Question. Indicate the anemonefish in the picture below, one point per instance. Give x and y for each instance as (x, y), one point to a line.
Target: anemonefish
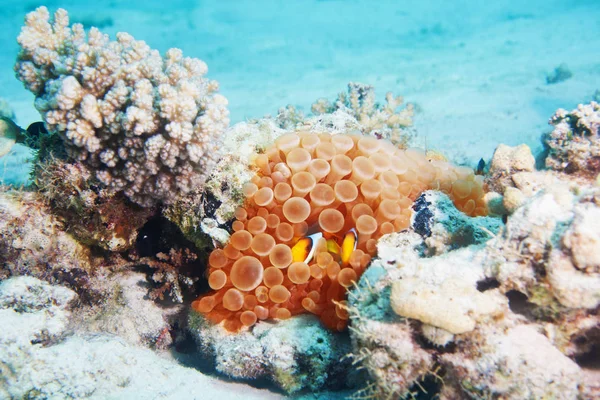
(348, 245)
(304, 249)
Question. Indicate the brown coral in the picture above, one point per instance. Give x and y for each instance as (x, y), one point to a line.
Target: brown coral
(311, 221)
(93, 215)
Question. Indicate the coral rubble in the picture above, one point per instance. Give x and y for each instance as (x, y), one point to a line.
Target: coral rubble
(33, 242)
(574, 144)
(146, 125)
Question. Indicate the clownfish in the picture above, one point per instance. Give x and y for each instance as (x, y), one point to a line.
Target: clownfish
(304, 249)
(348, 245)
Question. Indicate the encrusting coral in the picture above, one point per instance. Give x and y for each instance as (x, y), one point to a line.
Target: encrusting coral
(94, 215)
(310, 224)
(145, 125)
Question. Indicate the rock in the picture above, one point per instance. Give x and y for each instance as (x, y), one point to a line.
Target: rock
(128, 313)
(92, 214)
(33, 242)
(295, 354)
(445, 228)
(583, 238)
(437, 336)
(550, 247)
(495, 313)
(452, 305)
(394, 361)
(517, 363)
(574, 144)
(495, 205)
(32, 311)
(6, 110)
(513, 199)
(507, 161)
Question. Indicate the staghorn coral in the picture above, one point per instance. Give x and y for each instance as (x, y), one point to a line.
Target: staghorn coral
(574, 144)
(143, 124)
(331, 186)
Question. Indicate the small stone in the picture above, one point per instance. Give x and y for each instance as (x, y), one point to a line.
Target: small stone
(512, 159)
(513, 199)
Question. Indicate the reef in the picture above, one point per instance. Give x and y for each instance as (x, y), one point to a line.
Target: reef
(93, 214)
(33, 242)
(358, 110)
(295, 354)
(508, 310)
(323, 252)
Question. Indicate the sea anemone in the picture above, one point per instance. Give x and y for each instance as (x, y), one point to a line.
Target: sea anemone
(312, 217)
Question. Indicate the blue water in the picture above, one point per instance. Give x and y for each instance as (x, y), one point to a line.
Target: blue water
(476, 70)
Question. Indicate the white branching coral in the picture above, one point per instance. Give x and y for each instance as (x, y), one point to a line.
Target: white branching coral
(146, 125)
(387, 120)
